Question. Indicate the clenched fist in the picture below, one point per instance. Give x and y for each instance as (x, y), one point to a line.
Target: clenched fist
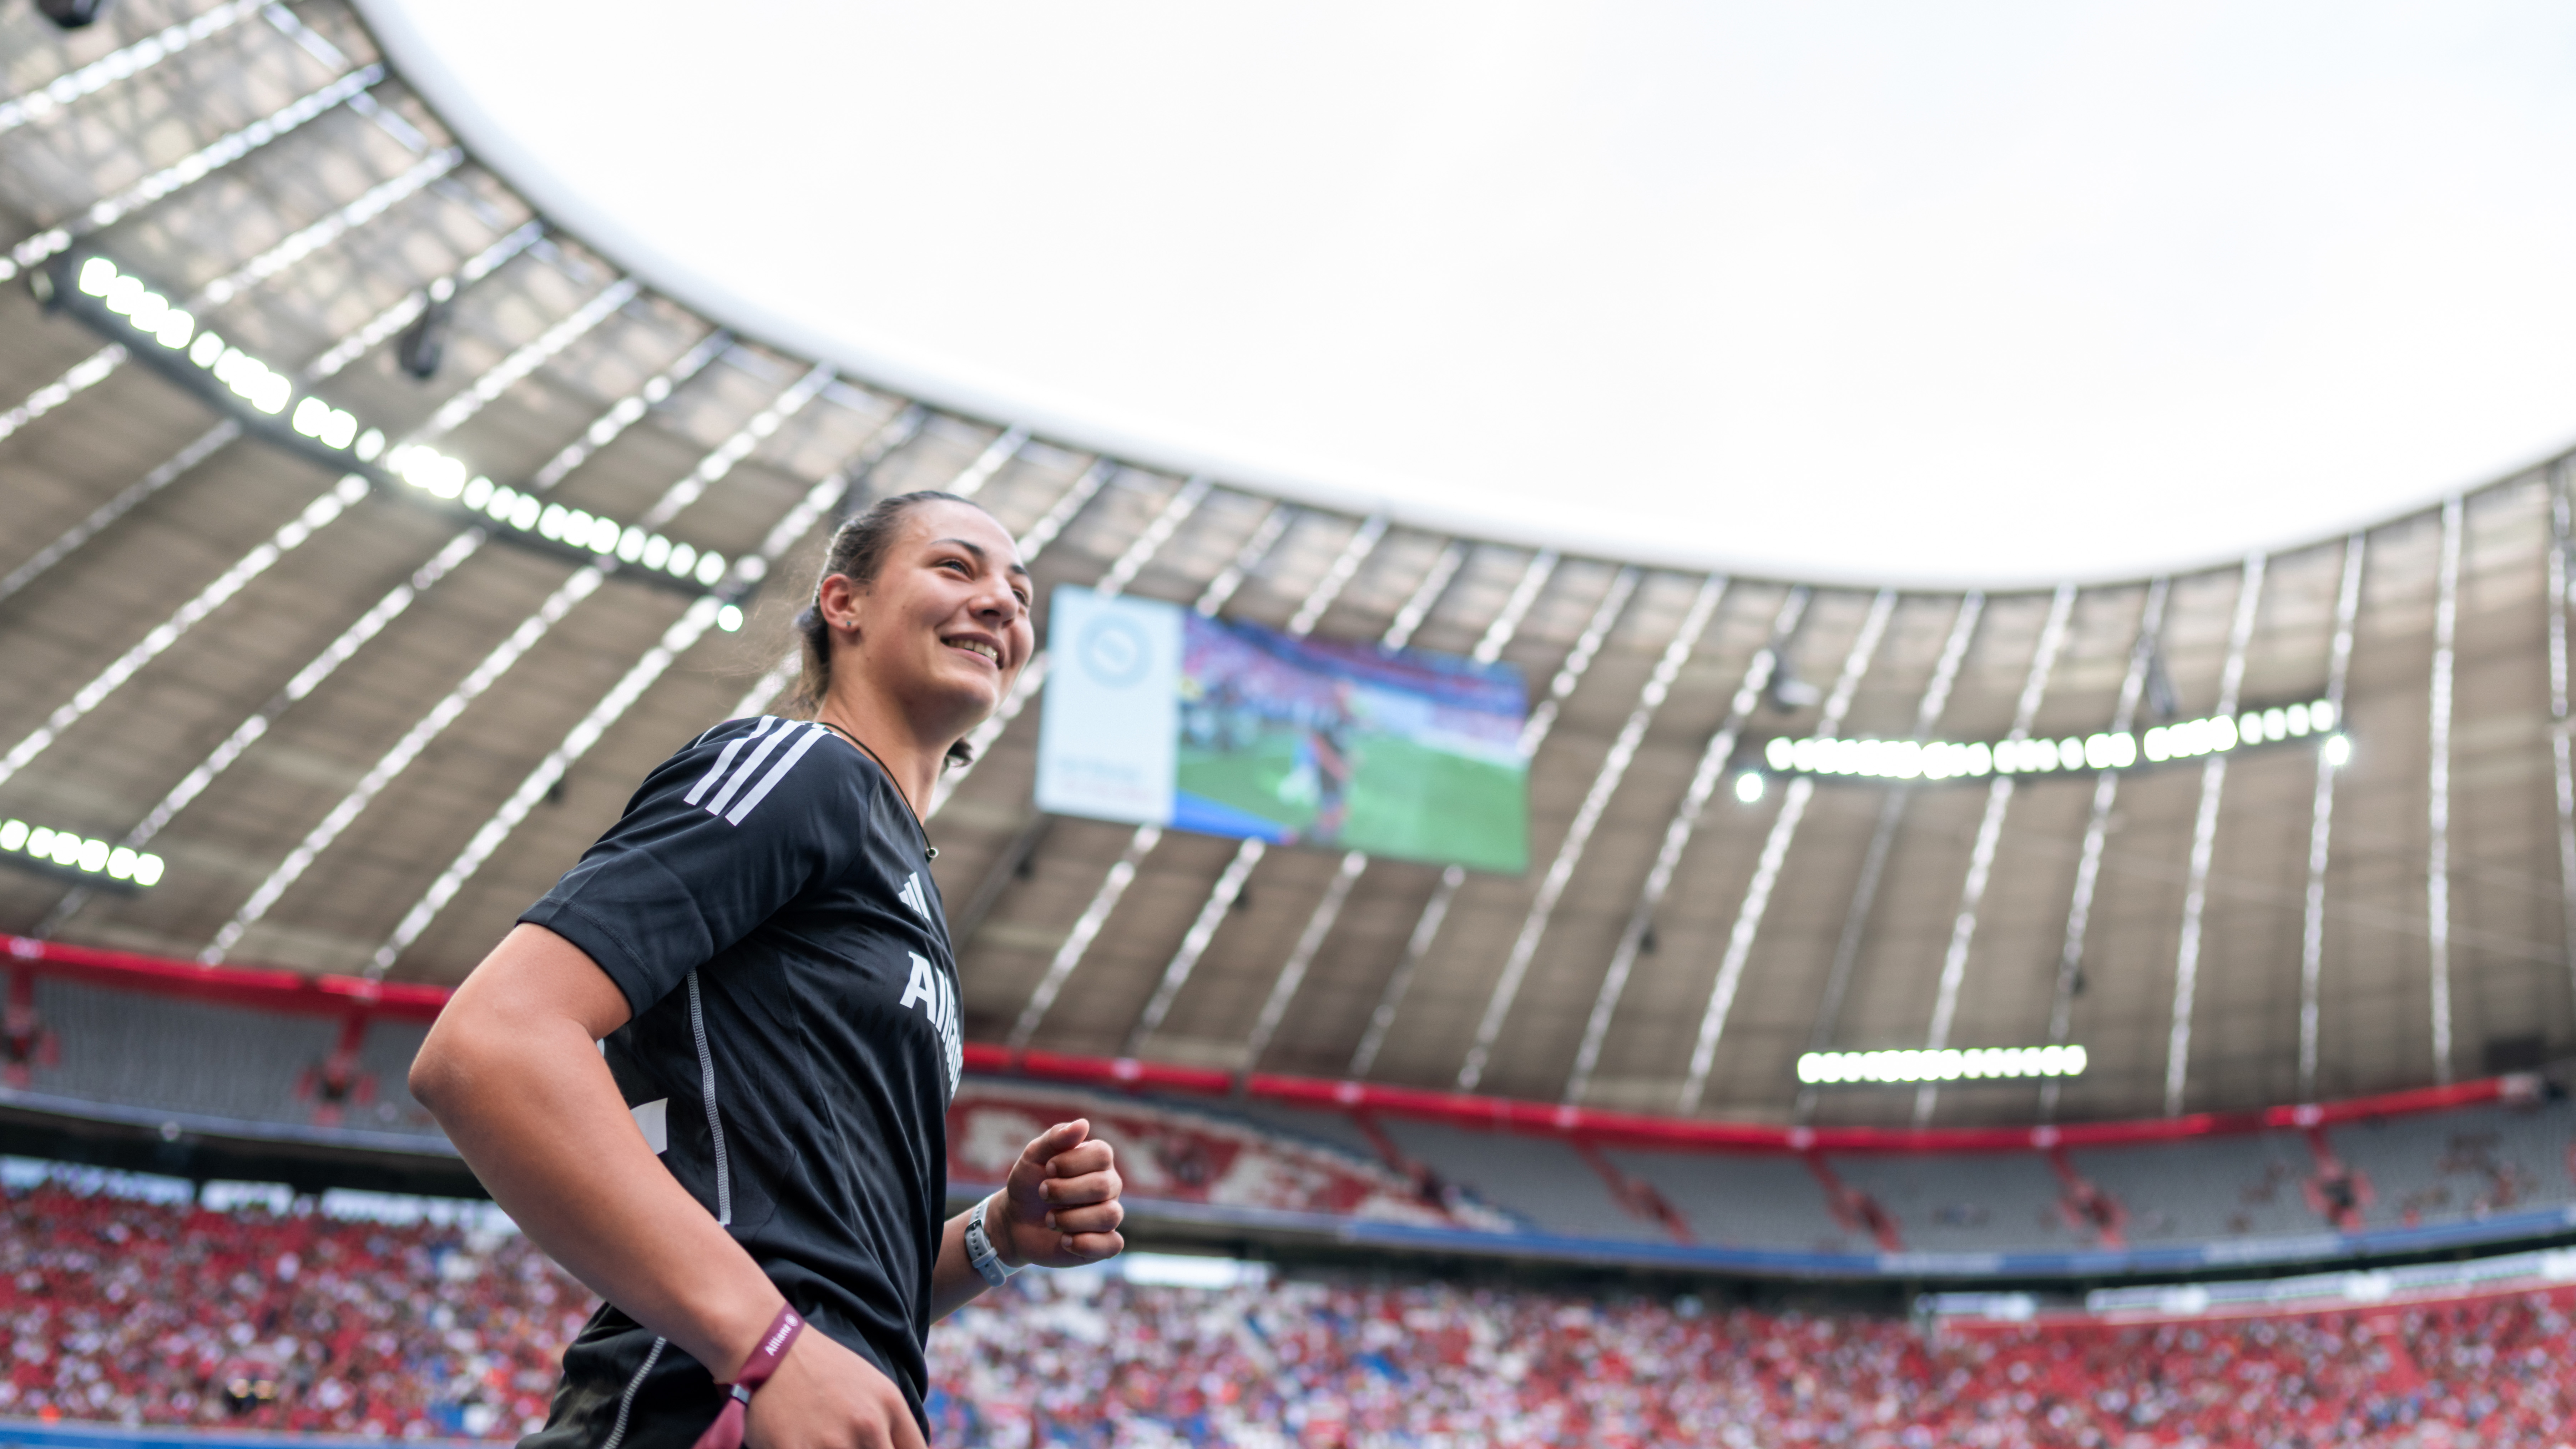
(1059, 1207)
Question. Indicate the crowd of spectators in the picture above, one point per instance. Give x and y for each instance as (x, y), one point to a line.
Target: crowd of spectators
(166, 1314)
(1441, 1367)
(175, 1314)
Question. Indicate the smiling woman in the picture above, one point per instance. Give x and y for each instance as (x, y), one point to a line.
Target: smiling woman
(759, 938)
(942, 541)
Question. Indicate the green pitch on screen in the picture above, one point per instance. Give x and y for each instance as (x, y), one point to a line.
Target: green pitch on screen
(1406, 801)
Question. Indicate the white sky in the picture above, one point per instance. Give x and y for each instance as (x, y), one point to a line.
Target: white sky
(1865, 290)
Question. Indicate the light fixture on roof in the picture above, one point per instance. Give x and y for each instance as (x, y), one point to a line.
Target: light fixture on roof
(72, 14)
(127, 297)
(2338, 750)
(423, 345)
(71, 850)
(1789, 694)
(435, 473)
(420, 466)
(1748, 786)
(318, 420)
(1986, 1064)
(2103, 750)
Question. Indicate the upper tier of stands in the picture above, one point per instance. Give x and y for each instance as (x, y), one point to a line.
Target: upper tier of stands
(240, 1057)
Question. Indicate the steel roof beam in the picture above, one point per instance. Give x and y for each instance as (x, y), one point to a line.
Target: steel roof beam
(1328, 908)
(1534, 736)
(97, 366)
(1981, 856)
(1578, 833)
(54, 240)
(506, 654)
(2097, 834)
(373, 622)
(337, 358)
(1758, 674)
(44, 102)
(2562, 536)
(1775, 846)
(2204, 837)
(1882, 840)
(1498, 635)
(1230, 882)
(2312, 935)
(294, 533)
(2437, 851)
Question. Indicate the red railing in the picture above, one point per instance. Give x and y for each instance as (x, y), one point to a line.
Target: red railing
(278, 990)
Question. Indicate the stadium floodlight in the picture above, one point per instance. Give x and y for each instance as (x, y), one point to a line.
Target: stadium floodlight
(2103, 750)
(1988, 1064)
(449, 479)
(269, 390)
(149, 311)
(328, 425)
(2338, 750)
(1748, 786)
(71, 850)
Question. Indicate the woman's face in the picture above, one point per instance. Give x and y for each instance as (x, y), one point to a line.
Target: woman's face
(944, 630)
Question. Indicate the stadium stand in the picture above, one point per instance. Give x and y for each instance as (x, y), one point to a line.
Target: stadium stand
(156, 1313)
(1439, 1365)
(1966, 1202)
(122, 1309)
(2217, 1188)
(132, 1048)
(1745, 1199)
(2470, 1163)
(1174, 1155)
(249, 1056)
(1544, 1182)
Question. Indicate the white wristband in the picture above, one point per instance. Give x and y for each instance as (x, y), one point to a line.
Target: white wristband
(979, 1249)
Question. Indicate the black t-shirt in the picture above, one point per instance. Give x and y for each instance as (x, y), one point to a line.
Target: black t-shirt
(766, 905)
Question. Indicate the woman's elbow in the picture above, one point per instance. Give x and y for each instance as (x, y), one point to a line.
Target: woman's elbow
(428, 1078)
(441, 1068)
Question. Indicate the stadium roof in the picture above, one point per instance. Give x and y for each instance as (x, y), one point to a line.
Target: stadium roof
(362, 728)
(1971, 295)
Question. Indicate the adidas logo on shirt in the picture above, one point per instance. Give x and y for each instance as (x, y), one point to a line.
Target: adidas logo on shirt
(913, 897)
(938, 1000)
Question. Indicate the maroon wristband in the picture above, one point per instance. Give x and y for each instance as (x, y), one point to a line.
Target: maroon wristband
(726, 1431)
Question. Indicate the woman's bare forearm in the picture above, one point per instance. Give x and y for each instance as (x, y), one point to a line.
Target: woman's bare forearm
(513, 1073)
(954, 1283)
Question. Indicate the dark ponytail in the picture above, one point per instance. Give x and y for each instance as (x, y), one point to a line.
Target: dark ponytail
(857, 552)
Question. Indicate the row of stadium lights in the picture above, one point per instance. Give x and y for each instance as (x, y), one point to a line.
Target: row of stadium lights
(269, 391)
(2110, 750)
(74, 851)
(1949, 1065)
(418, 465)
(440, 476)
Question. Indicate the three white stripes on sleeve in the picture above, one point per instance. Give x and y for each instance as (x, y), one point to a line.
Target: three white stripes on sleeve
(805, 735)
